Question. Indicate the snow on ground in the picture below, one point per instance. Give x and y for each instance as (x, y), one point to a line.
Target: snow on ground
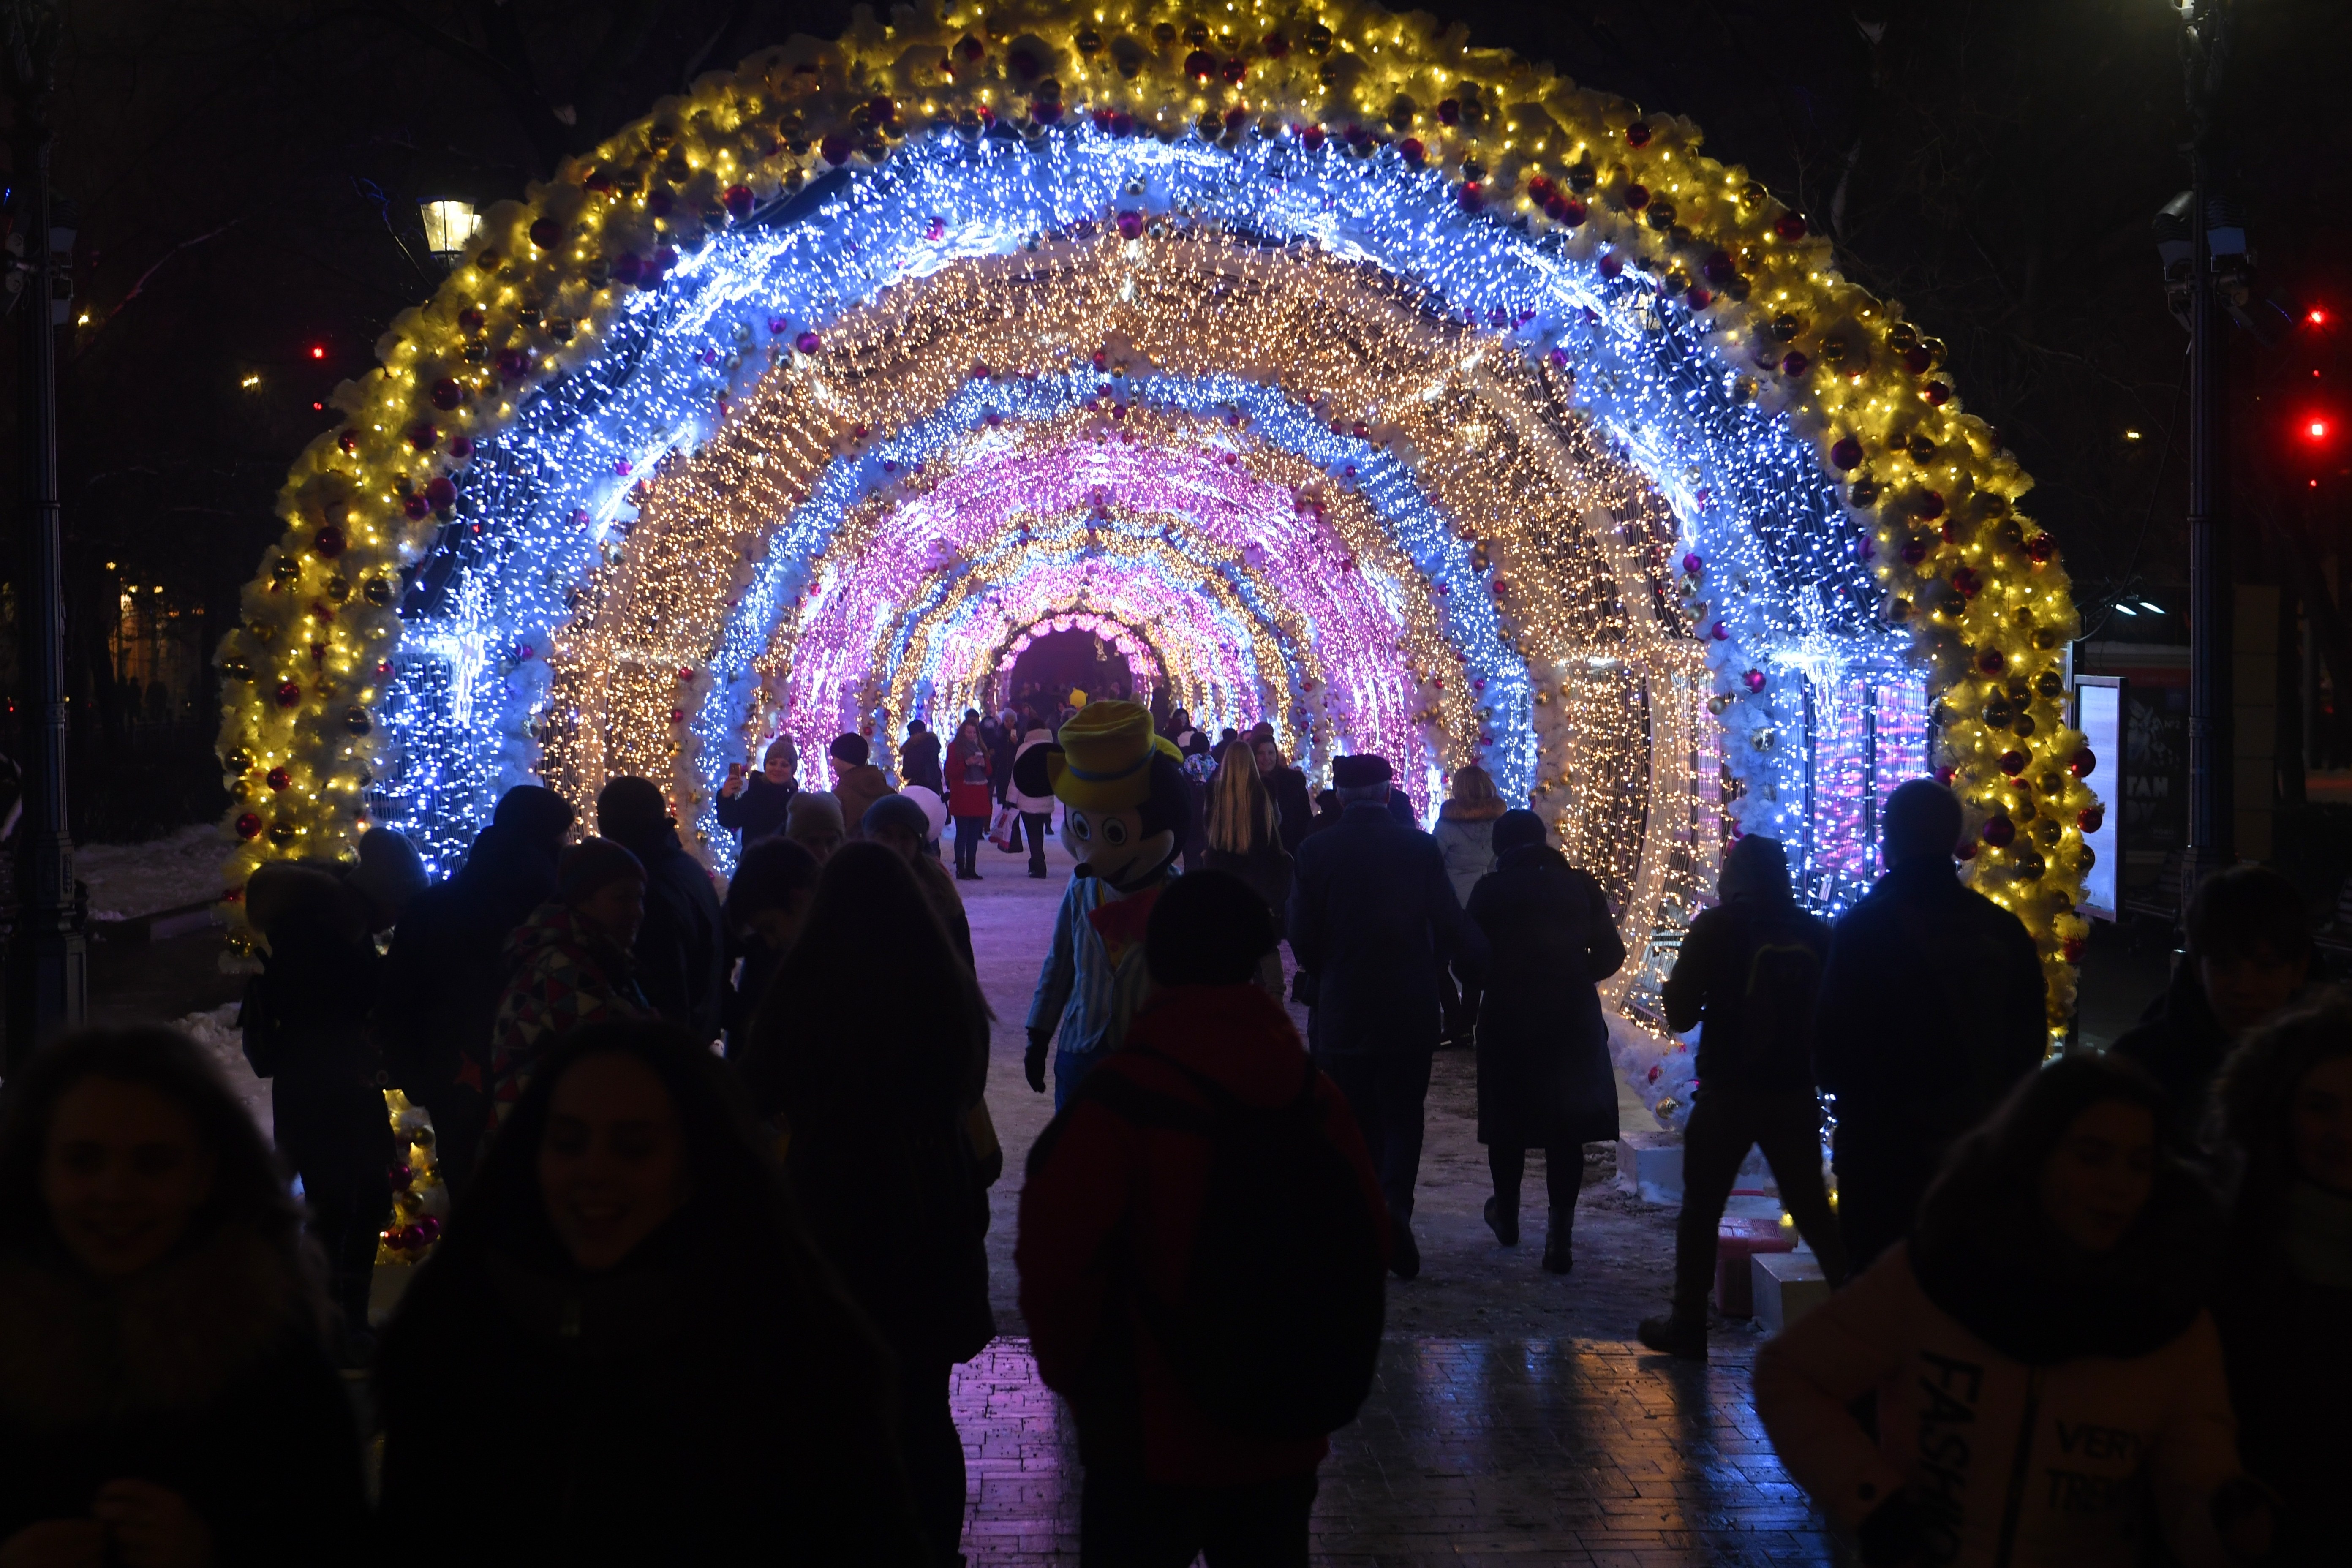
(217, 1032)
(167, 873)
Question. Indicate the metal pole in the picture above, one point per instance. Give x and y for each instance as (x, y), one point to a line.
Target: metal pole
(2211, 823)
(51, 991)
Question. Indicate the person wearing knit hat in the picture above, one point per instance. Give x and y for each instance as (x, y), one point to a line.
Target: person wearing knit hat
(389, 875)
(899, 823)
(1371, 916)
(814, 823)
(571, 964)
(856, 779)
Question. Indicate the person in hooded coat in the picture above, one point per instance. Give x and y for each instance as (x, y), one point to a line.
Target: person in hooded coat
(2284, 1100)
(306, 1028)
(1545, 1080)
(626, 1348)
(568, 966)
(1750, 970)
(2047, 1379)
(1465, 836)
(439, 1004)
(919, 759)
(166, 1395)
(755, 805)
(856, 781)
(1931, 1009)
(866, 1055)
(2248, 952)
(681, 958)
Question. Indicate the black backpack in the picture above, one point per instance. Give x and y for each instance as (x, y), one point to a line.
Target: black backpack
(1279, 1325)
(1782, 982)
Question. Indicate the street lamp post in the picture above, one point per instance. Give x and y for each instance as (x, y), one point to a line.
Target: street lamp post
(2211, 844)
(49, 986)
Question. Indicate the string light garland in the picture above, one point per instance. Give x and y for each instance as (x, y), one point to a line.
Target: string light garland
(1784, 491)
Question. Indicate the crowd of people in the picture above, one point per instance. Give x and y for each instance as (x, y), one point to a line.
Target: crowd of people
(717, 1239)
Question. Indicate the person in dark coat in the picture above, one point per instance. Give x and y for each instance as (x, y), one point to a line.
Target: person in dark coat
(1750, 970)
(1114, 1207)
(856, 782)
(439, 1001)
(1243, 837)
(868, 1055)
(681, 948)
(2284, 1100)
(1544, 1076)
(1931, 1009)
(626, 1347)
(753, 805)
(1287, 786)
(1370, 916)
(767, 902)
(919, 759)
(166, 1397)
(306, 1028)
(2248, 952)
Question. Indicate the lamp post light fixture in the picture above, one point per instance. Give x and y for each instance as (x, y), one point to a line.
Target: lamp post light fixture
(448, 224)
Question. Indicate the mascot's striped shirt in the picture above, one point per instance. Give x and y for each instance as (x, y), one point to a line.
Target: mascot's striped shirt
(1094, 977)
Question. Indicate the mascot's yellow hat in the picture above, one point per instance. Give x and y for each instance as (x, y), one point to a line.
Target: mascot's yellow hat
(1105, 763)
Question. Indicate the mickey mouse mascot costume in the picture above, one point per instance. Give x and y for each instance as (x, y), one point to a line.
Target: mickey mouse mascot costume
(1125, 810)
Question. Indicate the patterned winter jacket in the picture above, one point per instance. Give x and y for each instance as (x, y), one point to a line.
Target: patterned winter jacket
(561, 974)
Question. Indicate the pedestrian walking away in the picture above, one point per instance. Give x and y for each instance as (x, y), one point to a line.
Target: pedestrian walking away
(680, 956)
(1747, 975)
(569, 965)
(919, 759)
(767, 903)
(752, 805)
(2047, 1380)
(438, 1006)
(1466, 835)
(1243, 838)
(166, 1391)
(1201, 1255)
(856, 780)
(626, 1347)
(1371, 915)
(1931, 1008)
(1544, 1076)
(867, 1056)
(1036, 810)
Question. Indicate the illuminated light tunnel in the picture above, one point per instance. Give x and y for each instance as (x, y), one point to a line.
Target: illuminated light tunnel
(1410, 398)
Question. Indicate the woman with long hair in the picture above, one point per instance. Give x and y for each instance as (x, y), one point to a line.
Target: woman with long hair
(2284, 1100)
(969, 798)
(1244, 838)
(2043, 1365)
(868, 1052)
(166, 1397)
(626, 1348)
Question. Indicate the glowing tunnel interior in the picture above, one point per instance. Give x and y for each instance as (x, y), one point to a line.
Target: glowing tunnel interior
(1586, 468)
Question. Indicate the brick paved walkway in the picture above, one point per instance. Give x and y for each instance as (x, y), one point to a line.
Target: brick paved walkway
(1469, 1451)
(1512, 1423)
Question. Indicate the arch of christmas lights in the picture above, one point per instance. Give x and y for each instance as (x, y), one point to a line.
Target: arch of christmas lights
(1407, 396)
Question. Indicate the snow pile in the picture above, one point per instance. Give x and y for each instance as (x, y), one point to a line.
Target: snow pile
(1662, 1068)
(217, 1032)
(127, 881)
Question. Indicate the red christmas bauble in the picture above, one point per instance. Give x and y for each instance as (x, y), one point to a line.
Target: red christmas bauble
(1917, 360)
(1790, 227)
(1411, 150)
(1638, 133)
(2085, 763)
(1793, 364)
(1990, 661)
(1449, 111)
(440, 491)
(808, 343)
(2071, 949)
(279, 778)
(546, 232)
(289, 693)
(448, 394)
(328, 542)
(1847, 453)
(836, 148)
(1930, 504)
(2013, 763)
(424, 438)
(1637, 197)
(248, 826)
(415, 508)
(737, 200)
(2091, 818)
(2001, 832)
(2041, 548)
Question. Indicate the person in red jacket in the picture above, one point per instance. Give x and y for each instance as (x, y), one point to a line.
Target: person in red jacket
(1113, 1197)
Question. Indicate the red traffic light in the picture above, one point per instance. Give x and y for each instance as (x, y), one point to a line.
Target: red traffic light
(2317, 318)
(2317, 430)
(318, 351)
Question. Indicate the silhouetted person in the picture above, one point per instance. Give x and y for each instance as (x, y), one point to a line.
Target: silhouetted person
(1750, 970)
(569, 965)
(1202, 1428)
(447, 967)
(767, 902)
(681, 947)
(166, 1397)
(919, 759)
(626, 1347)
(1931, 1009)
(856, 781)
(867, 1054)
(1371, 915)
(2248, 952)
